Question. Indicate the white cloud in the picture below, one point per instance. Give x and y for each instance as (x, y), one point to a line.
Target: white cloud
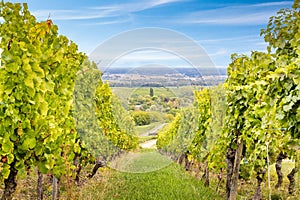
(219, 52)
(149, 55)
(246, 19)
(267, 4)
(251, 14)
(233, 44)
(73, 14)
(100, 12)
(247, 38)
(135, 6)
(108, 22)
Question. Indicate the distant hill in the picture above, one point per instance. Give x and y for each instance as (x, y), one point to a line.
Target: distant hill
(157, 76)
(163, 71)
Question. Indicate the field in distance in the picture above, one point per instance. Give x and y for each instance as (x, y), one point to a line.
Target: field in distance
(185, 93)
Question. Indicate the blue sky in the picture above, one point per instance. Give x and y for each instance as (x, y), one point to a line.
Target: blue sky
(219, 27)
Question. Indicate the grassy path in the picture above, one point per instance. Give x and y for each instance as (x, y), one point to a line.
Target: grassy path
(149, 144)
(154, 178)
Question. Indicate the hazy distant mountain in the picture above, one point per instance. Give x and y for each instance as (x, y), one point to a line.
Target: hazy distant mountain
(160, 70)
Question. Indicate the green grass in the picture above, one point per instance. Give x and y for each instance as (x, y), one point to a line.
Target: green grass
(122, 91)
(184, 91)
(125, 91)
(170, 182)
(164, 180)
(145, 160)
(157, 91)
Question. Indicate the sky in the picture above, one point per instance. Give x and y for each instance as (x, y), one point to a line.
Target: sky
(219, 28)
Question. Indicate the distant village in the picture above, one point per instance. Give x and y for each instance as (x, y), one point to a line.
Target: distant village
(161, 78)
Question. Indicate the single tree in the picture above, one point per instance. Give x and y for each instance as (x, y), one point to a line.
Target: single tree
(151, 92)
